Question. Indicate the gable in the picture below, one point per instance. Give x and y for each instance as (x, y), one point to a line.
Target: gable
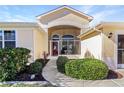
(61, 12)
(69, 19)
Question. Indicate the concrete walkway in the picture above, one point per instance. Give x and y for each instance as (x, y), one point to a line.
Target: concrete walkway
(51, 74)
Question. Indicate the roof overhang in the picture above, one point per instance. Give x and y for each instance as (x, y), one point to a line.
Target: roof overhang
(99, 29)
(91, 32)
(85, 16)
(18, 24)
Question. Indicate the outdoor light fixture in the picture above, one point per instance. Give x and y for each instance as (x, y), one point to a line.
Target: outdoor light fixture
(110, 35)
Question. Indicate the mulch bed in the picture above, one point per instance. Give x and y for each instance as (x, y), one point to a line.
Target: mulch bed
(26, 77)
(114, 75)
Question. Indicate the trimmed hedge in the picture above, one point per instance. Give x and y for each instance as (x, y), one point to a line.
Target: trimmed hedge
(88, 69)
(12, 61)
(37, 66)
(61, 61)
(43, 61)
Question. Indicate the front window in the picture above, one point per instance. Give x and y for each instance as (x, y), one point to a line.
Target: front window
(7, 39)
(0, 39)
(67, 44)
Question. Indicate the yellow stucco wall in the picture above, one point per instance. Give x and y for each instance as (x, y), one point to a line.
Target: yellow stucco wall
(24, 38)
(109, 45)
(40, 43)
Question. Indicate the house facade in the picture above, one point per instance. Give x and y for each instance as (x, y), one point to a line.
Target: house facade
(66, 31)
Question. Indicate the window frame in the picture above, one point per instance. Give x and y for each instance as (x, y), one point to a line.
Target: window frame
(3, 38)
(68, 38)
(55, 38)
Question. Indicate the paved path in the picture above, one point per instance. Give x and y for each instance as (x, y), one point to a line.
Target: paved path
(51, 74)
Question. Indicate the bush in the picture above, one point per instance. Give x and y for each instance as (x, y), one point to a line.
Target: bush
(61, 61)
(12, 61)
(42, 61)
(35, 67)
(88, 69)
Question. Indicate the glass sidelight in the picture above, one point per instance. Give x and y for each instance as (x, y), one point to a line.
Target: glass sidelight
(120, 49)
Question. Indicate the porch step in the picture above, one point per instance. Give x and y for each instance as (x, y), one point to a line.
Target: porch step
(73, 56)
(69, 56)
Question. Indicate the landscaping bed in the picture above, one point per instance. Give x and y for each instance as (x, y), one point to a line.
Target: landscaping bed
(114, 75)
(14, 65)
(86, 69)
(32, 70)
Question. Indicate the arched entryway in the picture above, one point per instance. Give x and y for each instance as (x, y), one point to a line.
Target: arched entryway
(63, 40)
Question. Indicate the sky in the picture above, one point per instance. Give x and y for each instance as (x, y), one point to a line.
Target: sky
(28, 13)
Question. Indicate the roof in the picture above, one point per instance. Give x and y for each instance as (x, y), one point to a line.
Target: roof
(88, 17)
(18, 24)
(97, 28)
(91, 32)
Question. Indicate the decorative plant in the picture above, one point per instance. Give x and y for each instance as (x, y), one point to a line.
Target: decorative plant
(35, 67)
(61, 61)
(45, 56)
(87, 69)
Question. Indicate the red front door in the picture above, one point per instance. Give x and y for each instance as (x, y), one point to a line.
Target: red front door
(54, 48)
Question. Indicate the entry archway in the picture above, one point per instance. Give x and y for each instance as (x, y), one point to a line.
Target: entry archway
(63, 40)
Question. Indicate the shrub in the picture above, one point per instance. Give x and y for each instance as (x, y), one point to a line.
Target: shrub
(88, 69)
(42, 61)
(12, 61)
(61, 61)
(35, 67)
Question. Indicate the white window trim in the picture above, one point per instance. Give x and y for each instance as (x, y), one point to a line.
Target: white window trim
(3, 40)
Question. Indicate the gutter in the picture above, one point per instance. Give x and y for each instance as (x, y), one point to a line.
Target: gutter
(88, 32)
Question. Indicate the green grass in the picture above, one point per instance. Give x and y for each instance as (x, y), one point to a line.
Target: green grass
(26, 85)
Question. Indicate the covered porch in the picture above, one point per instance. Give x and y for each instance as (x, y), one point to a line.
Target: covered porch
(63, 40)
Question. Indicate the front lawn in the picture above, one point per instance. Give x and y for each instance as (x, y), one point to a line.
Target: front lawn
(27, 85)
